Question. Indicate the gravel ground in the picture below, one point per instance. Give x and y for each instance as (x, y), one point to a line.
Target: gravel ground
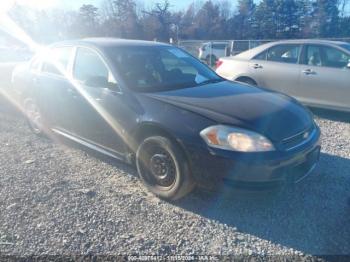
(56, 199)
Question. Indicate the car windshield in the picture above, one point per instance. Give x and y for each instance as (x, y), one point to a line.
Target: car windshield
(346, 46)
(160, 68)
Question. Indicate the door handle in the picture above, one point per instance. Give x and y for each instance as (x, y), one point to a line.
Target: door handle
(257, 66)
(309, 72)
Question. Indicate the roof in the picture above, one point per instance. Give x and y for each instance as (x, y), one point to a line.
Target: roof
(311, 41)
(104, 42)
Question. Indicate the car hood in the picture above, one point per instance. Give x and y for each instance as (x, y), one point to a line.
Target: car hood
(272, 114)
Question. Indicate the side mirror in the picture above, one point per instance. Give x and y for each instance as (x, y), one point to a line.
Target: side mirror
(96, 81)
(100, 82)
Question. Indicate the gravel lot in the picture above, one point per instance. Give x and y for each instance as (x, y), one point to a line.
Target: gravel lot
(56, 199)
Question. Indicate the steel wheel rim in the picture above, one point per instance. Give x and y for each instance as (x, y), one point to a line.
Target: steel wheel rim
(160, 167)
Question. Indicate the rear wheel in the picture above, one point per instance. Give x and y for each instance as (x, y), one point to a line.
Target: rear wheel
(163, 168)
(34, 116)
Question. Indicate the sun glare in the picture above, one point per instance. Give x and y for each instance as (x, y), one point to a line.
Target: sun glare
(5, 5)
(10, 27)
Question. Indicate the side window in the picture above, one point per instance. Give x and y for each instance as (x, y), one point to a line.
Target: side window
(91, 70)
(334, 58)
(313, 55)
(284, 54)
(56, 61)
(261, 56)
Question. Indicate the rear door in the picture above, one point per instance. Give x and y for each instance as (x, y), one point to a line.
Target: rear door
(53, 83)
(325, 77)
(278, 68)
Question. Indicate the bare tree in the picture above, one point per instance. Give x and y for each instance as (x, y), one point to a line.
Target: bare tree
(158, 21)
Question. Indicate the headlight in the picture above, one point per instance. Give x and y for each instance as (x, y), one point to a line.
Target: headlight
(236, 139)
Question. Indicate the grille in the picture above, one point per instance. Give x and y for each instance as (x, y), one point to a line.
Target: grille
(297, 140)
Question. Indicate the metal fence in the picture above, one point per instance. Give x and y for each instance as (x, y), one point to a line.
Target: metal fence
(211, 50)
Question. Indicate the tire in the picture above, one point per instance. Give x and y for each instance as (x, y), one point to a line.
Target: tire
(34, 117)
(163, 168)
(247, 80)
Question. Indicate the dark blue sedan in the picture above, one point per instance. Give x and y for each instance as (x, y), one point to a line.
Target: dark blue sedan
(157, 106)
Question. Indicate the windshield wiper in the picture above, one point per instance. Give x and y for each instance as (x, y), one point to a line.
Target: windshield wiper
(210, 81)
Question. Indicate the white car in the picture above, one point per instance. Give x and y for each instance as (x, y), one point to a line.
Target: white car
(211, 51)
(316, 72)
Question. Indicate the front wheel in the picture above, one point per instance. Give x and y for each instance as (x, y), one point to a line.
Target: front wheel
(163, 168)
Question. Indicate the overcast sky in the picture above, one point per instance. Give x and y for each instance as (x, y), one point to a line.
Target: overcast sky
(178, 4)
(75, 4)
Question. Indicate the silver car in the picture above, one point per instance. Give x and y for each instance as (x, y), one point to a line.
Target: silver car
(316, 72)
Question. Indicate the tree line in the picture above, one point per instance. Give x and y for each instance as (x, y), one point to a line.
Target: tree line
(243, 19)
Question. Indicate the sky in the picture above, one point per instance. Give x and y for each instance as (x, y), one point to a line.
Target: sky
(75, 4)
(176, 4)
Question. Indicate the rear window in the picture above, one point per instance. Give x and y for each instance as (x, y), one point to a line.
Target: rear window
(57, 60)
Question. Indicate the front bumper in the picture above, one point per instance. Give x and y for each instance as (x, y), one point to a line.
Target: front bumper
(212, 166)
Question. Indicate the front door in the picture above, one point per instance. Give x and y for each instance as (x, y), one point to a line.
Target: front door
(97, 101)
(325, 77)
(278, 68)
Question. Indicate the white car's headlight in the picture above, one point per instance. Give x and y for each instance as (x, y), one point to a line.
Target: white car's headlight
(236, 139)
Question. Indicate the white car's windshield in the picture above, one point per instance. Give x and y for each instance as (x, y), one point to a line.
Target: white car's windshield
(159, 68)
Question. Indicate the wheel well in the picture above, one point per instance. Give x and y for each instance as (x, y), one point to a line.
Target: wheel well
(148, 130)
(246, 79)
